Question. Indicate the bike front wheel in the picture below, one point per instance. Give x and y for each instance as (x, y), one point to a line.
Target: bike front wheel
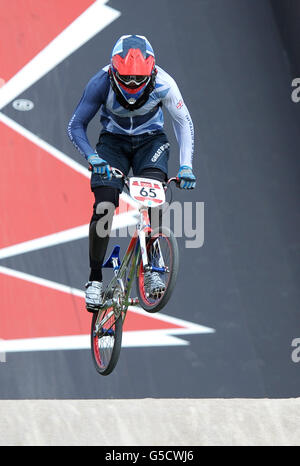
(106, 340)
(163, 255)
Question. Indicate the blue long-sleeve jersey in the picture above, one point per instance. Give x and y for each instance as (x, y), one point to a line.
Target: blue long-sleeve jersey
(98, 95)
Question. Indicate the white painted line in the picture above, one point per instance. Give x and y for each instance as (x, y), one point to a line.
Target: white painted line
(41, 281)
(45, 241)
(56, 153)
(120, 221)
(147, 338)
(190, 326)
(72, 234)
(144, 338)
(45, 344)
(86, 26)
(160, 337)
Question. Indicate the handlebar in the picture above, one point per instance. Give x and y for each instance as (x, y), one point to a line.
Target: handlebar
(174, 179)
(119, 174)
(116, 173)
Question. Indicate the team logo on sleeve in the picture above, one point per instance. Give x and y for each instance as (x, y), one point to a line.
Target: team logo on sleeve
(179, 104)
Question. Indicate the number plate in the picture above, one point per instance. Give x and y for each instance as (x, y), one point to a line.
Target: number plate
(149, 193)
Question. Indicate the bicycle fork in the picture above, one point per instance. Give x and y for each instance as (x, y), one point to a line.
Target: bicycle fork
(144, 228)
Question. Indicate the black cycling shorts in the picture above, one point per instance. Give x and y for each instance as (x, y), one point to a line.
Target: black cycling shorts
(148, 150)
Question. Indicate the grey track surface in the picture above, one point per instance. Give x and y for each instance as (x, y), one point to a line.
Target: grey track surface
(228, 60)
(151, 422)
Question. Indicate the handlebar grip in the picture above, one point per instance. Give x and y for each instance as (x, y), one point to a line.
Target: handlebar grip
(176, 180)
(116, 173)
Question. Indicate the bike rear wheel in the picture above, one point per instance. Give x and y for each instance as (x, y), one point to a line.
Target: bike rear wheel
(106, 340)
(162, 252)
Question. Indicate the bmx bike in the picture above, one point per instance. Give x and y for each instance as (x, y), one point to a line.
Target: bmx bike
(149, 250)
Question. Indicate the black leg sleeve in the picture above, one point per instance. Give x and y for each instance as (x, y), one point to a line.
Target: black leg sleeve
(106, 200)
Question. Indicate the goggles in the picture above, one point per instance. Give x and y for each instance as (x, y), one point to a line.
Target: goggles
(132, 81)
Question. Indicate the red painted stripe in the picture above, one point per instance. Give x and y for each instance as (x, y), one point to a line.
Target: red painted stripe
(39, 195)
(26, 27)
(29, 310)
(135, 321)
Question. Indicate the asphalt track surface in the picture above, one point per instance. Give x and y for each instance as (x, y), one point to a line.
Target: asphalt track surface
(237, 297)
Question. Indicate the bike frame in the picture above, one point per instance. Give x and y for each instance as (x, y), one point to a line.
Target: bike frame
(117, 293)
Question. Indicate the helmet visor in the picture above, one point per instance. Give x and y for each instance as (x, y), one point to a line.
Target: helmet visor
(132, 81)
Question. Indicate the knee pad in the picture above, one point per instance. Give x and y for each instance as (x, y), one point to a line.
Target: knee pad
(106, 200)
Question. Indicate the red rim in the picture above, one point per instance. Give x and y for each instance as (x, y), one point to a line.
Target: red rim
(96, 349)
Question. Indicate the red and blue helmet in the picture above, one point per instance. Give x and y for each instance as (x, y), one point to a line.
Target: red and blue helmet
(132, 70)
